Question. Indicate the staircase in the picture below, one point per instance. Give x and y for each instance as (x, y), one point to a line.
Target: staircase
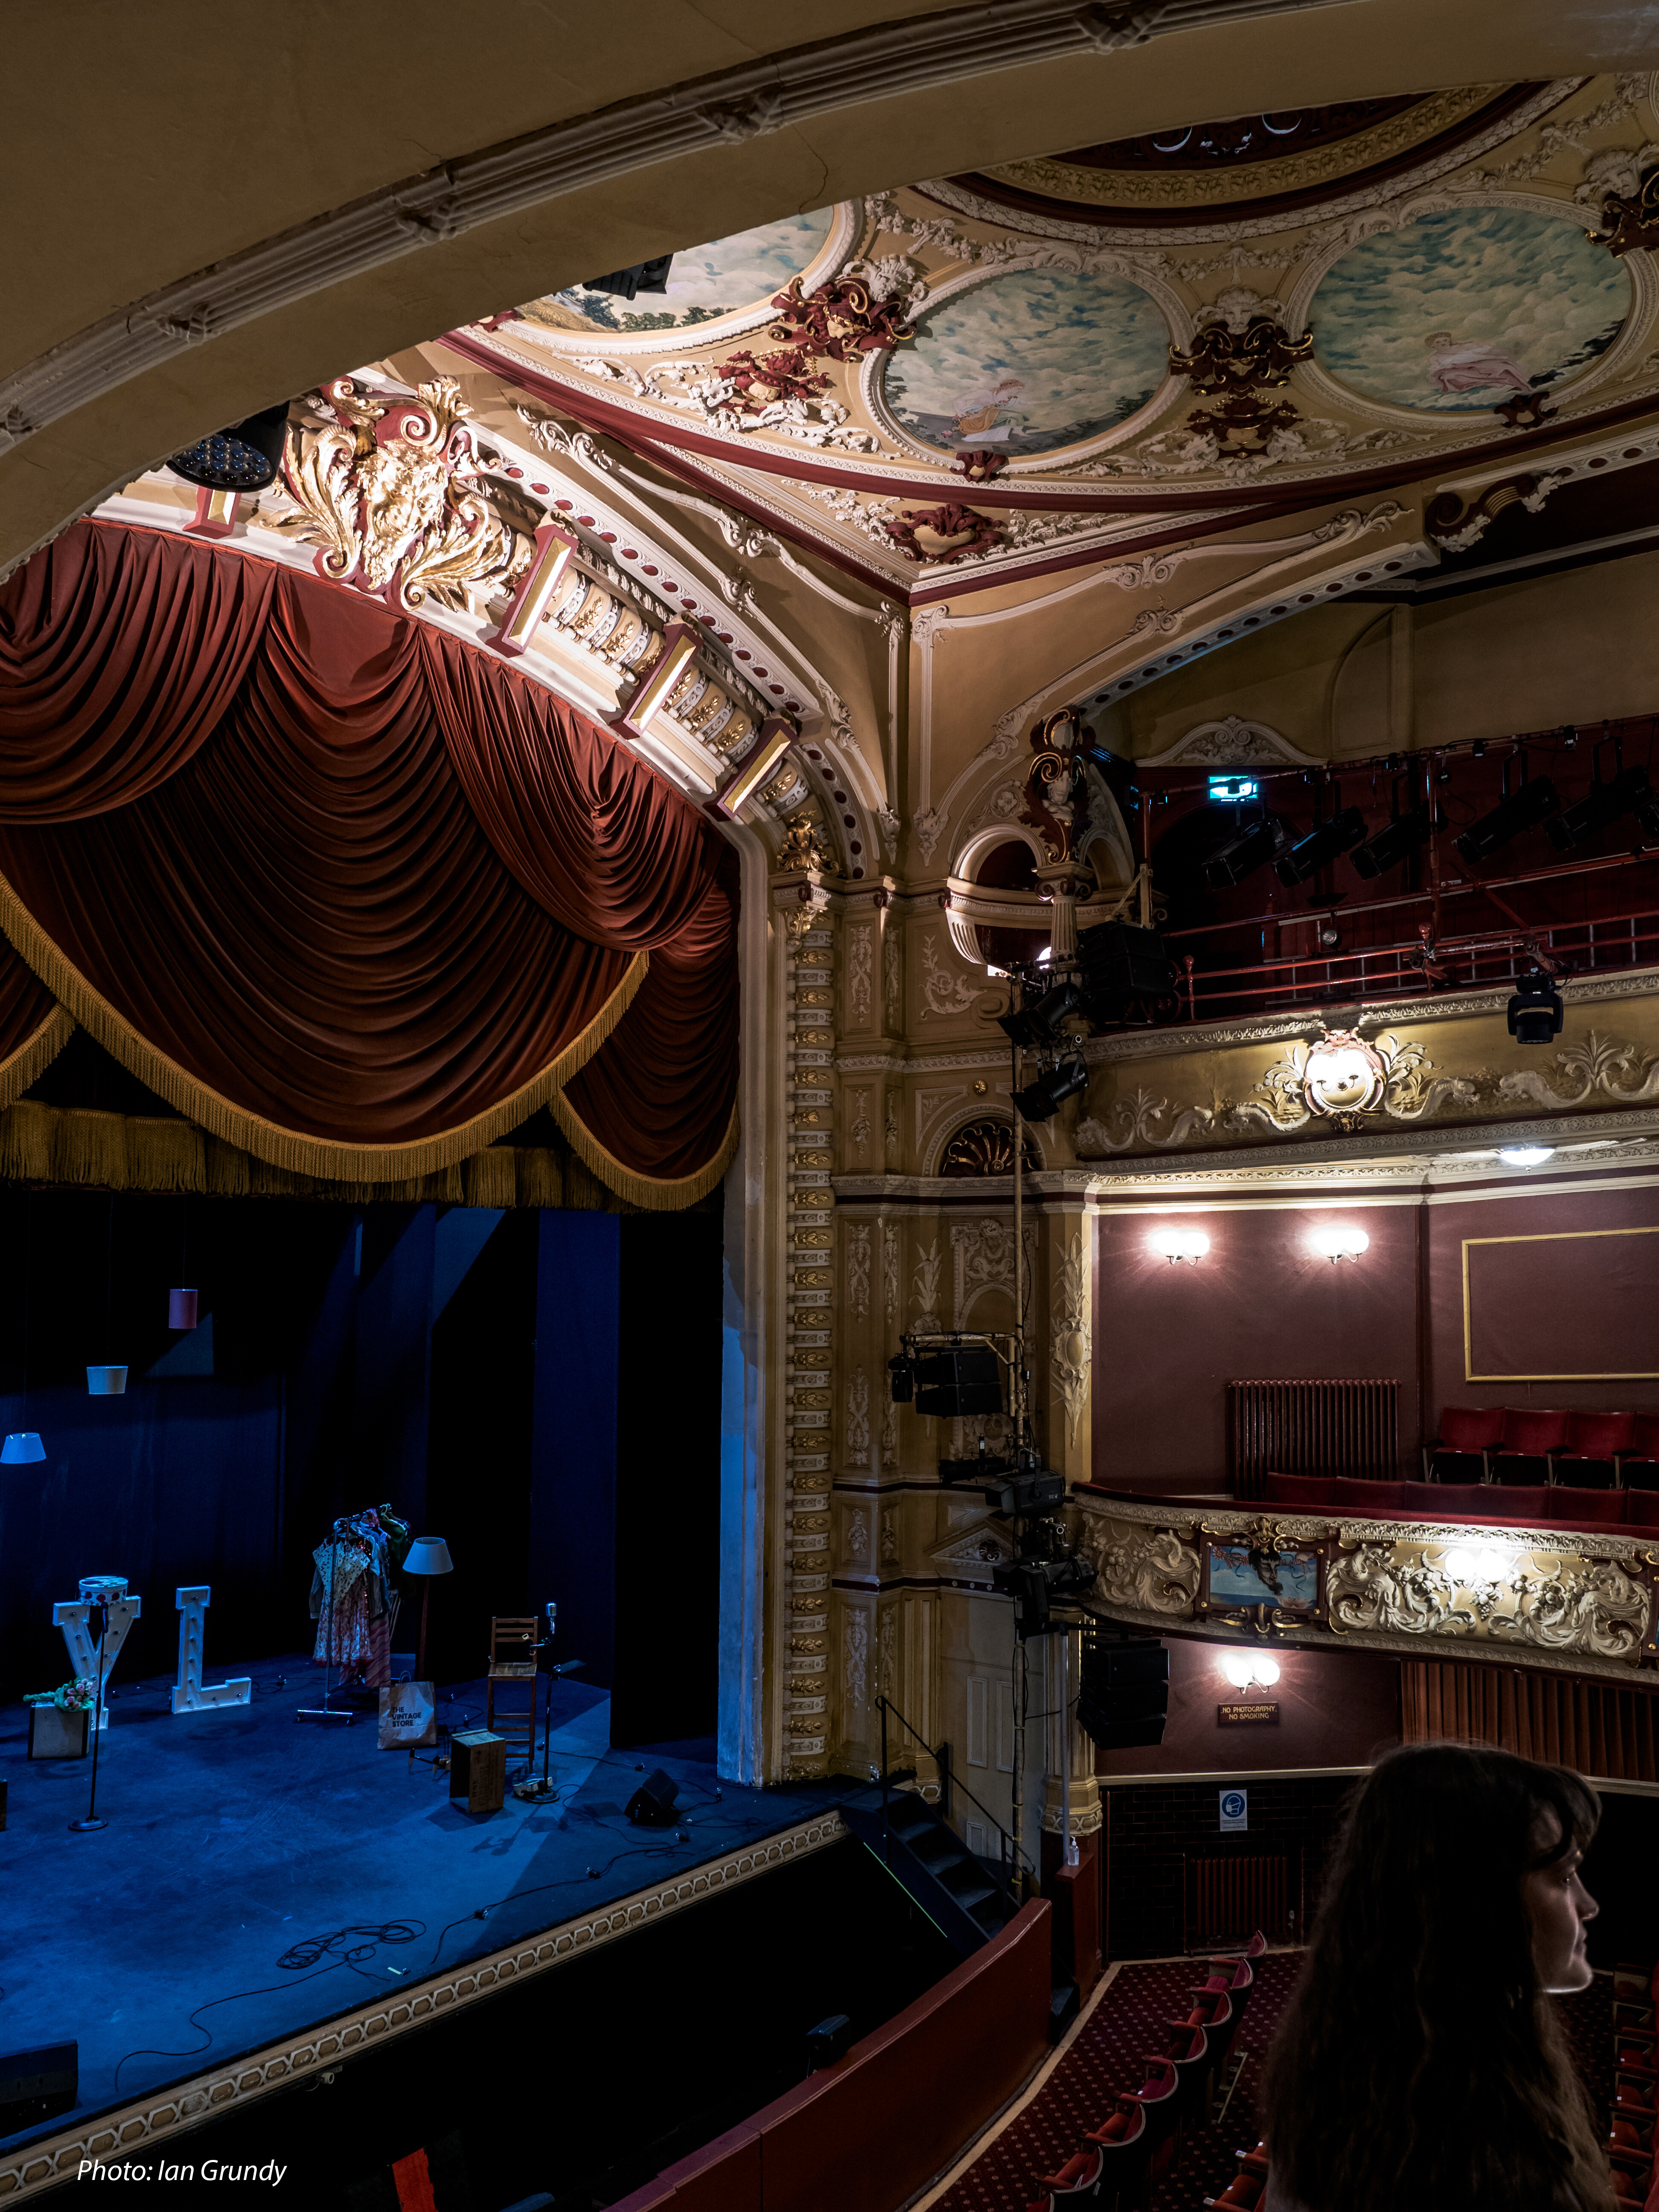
(964, 1901)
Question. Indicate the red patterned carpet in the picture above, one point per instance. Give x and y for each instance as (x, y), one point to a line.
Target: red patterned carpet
(1128, 2021)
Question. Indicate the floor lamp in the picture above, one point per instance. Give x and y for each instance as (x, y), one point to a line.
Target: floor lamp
(426, 1556)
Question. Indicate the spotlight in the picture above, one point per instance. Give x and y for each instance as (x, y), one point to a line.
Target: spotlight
(1536, 1011)
(1039, 1022)
(1338, 1242)
(1033, 1490)
(1242, 855)
(1520, 810)
(245, 458)
(1039, 1101)
(1033, 1583)
(1327, 842)
(1393, 844)
(1627, 792)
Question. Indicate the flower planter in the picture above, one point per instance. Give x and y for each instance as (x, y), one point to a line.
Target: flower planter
(56, 1734)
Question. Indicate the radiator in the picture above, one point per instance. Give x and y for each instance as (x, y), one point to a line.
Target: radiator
(1332, 1426)
(1228, 1899)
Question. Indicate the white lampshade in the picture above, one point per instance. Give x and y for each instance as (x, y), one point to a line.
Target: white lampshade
(428, 1555)
(1239, 1668)
(1172, 1241)
(22, 1446)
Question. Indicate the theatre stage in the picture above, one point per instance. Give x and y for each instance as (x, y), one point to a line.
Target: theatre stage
(261, 1876)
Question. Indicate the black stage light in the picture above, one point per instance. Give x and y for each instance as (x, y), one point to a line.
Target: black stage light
(1394, 843)
(245, 458)
(1520, 810)
(652, 1805)
(903, 1372)
(1039, 1101)
(1242, 855)
(1326, 842)
(1035, 1584)
(642, 277)
(1536, 1011)
(1032, 1491)
(966, 1379)
(1627, 792)
(1037, 1024)
(1124, 1698)
(827, 2042)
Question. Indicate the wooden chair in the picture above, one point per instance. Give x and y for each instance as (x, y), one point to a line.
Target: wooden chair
(513, 1660)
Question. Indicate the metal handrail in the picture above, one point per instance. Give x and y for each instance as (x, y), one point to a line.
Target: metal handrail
(942, 1755)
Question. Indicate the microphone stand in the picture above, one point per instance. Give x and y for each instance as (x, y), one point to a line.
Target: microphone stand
(539, 1788)
(98, 1621)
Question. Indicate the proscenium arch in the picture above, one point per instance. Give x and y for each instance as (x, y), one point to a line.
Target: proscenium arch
(152, 297)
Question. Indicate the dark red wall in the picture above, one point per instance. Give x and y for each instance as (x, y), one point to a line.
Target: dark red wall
(1261, 1304)
(1335, 1709)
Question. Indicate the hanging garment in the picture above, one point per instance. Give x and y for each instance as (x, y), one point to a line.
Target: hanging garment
(352, 1597)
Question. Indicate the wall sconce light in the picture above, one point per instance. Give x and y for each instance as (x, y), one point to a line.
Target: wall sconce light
(1526, 1155)
(1338, 1243)
(1246, 1670)
(1175, 1243)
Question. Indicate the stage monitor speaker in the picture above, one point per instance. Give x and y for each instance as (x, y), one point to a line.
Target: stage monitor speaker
(477, 1771)
(968, 1379)
(1124, 1699)
(1120, 961)
(830, 2040)
(37, 2085)
(652, 1805)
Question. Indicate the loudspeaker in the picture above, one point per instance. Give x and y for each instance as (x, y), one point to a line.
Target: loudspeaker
(965, 1380)
(1124, 1699)
(1120, 961)
(652, 1805)
(829, 2040)
(37, 2085)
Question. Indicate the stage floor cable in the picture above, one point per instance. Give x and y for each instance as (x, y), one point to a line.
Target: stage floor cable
(272, 1894)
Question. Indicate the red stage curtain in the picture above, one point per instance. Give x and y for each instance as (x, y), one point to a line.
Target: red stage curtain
(119, 651)
(679, 1040)
(305, 936)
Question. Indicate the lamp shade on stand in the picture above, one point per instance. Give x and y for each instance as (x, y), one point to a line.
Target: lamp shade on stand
(20, 1448)
(181, 1310)
(426, 1556)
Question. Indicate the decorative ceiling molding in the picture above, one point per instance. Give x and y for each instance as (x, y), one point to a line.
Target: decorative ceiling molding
(1232, 743)
(443, 203)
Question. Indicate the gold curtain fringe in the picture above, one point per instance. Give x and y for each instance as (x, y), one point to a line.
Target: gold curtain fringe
(652, 1194)
(290, 1151)
(81, 1148)
(35, 1055)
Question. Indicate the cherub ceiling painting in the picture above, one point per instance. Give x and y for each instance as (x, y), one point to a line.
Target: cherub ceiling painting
(703, 284)
(1464, 309)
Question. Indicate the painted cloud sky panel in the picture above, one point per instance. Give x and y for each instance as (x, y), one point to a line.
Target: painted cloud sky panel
(716, 279)
(1029, 361)
(1465, 309)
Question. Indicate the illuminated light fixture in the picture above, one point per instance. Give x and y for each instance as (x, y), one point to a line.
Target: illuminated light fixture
(1247, 1670)
(1535, 1012)
(244, 457)
(1392, 845)
(1327, 842)
(1474, 1565)
(183, 1309)
(1039, 1022)
(105, 1381)
(1039, 1101)
(1175, 1244)
(1519, 810)
(20, 1448)
(1340, 1242)
(1526, 1155)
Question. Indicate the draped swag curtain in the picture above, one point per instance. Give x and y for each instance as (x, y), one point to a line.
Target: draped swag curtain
(339, 887)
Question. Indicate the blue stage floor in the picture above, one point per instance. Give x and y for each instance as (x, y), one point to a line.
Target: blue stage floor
(247, 1852)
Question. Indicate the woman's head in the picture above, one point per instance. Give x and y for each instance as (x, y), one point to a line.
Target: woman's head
(1419, 2053)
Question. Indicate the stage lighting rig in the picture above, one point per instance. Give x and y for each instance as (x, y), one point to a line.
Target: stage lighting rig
(1252, 848)
(1398, 838)
(1324, 842)
(1535, 1012)
(1041, 1100)
(1035, 1585)
(1524, 808)
(1038, 1024)
(244, 457)
(1629, 792)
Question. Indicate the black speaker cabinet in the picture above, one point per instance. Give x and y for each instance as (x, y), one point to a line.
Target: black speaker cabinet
(652, 1805)
(1120, 961)
(477, 1771)
(1124, 1698)
(38, 2084)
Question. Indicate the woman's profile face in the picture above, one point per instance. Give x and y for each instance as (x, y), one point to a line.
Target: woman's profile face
(1560, 1909)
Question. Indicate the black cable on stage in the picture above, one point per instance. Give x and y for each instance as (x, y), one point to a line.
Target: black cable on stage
(302, 1956)
(392, 1931)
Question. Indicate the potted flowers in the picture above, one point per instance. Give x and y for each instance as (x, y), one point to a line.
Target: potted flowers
(59, 1720)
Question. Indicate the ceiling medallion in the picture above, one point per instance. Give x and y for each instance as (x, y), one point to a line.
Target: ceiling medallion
(1343, 1079)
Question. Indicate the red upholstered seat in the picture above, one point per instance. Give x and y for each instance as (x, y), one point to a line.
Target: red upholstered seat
(1530, 1441)
(1467, 1433)
(1121, 2127)
(1079, 2177)
(1350, 1496)
(1242, 2194)
(1638, 1469)
(1595, 1442)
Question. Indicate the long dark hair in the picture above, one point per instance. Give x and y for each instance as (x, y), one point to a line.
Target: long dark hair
(1419, 2061)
